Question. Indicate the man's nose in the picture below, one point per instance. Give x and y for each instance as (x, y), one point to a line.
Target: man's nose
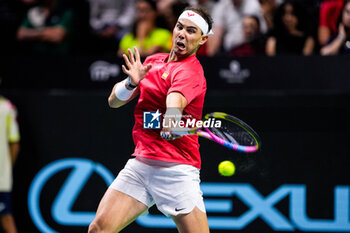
(181, 34)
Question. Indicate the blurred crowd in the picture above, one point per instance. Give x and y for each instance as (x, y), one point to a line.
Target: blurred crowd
(241, 27)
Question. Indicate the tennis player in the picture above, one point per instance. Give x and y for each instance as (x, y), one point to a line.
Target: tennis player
(165, 170)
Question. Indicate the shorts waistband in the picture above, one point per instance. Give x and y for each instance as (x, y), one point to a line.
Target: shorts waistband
(156, 163)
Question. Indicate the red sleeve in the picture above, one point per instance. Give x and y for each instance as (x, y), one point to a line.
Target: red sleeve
(324, 9)
(329, 14)
(189, 84)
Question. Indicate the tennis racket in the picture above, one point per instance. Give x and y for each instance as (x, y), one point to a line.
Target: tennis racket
(233, 133)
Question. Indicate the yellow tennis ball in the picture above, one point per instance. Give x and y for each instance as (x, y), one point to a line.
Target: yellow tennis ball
(226, 168)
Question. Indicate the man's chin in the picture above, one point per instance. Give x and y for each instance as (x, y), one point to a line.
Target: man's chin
(180, 53)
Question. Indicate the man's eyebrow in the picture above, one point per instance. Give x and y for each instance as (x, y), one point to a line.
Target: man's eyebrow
(180, 23)
(191, 27)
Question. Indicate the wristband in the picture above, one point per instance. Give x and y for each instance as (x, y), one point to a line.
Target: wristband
(129, 83)
(121, 92)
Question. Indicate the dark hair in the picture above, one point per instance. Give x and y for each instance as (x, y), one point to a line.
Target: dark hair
(346, 2)
(204, 13)
(178, 7)
(342, 11)
(298, 10)
(152, 3)
(255, 18)
(340, 18)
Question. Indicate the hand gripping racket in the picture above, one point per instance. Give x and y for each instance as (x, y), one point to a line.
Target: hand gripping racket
(233, 133)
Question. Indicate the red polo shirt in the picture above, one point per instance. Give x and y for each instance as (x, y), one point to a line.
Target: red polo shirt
(186, 77)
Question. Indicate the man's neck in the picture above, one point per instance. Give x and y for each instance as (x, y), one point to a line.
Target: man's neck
(174, 57)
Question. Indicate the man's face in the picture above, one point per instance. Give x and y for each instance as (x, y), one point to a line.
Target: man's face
(250, 28)
(289, 18)
(187, 37)
(144, 11)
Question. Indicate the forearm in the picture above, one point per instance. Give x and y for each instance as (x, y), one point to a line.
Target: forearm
(54, 34)
(175, 104)
(334, 47)
(309, 46)
(29, 34)
(129, 94)
(14, 150)
(271, 46)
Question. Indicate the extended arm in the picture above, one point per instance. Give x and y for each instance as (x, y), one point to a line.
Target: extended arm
(125, 91)
(175, 103)
(54, 34)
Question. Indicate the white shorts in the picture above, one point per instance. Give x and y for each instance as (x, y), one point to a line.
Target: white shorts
(173, 187)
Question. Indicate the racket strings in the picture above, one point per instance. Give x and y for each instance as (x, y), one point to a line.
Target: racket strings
(234, 133)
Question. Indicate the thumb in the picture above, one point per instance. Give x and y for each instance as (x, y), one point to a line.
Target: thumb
(148, 67)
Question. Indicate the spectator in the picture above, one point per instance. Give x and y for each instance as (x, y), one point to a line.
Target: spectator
(172, 11)
(9, 147)
(253, 39)
(341, 42)
(291, 34)
(47, 28)
(268, 8)
(329, 14)
(11, 15)
(146, 36)
(208, 5)
(110, 20)
(228, 16)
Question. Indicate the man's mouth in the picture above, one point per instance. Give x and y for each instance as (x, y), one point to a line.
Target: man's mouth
(180, 45)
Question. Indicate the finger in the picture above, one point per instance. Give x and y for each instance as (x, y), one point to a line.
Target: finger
(148, 67)
(127, 62)
(175, 136)
(131, 56)
(137, 54)
(127, 72)
(165, 135)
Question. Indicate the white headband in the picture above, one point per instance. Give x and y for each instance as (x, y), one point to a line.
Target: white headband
(198, 20)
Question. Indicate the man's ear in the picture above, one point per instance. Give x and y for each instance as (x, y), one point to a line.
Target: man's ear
(203, 40)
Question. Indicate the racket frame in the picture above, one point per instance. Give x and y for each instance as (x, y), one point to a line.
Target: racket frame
(206, 133)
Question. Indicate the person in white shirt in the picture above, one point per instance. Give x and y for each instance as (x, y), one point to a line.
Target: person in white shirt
(9, 147)
(228, 16)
